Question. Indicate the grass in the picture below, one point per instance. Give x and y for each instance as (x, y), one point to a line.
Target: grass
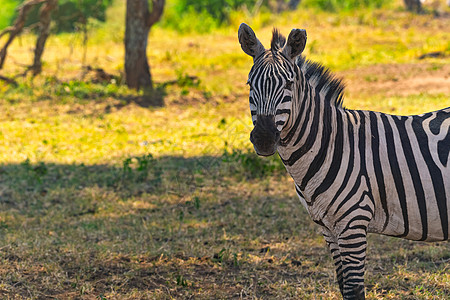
(103, 197)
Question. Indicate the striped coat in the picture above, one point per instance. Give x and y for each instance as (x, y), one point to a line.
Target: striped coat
(354, 171)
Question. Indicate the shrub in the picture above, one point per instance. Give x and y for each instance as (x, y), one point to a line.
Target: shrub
(200, 15)
(70, 15)
(340, 5)
(7, 13)
(205, 15)
(249, 164)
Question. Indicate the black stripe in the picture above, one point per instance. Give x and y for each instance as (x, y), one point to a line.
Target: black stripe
(336, 160)
(286, 99)
(286, 140)
(362, 163)
(436, 123)
(307, 116)
(435, 172)
(349, 165)
(377, 165)
(282, 111)
(319, 222)
(362, 151)
(312, 135)
(443, 148)
(353, 236)
(359, 252)
(299, 192)
(414, 172)
(318, 160)
(354, 207)
(395, 171)
(352, 245)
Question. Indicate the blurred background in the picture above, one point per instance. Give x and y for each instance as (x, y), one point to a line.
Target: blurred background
(125, 166)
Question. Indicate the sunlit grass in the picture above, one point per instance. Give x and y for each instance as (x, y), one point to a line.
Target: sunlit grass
(397, 105)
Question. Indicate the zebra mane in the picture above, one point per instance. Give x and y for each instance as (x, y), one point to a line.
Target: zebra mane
(278, 41)
(325, 79)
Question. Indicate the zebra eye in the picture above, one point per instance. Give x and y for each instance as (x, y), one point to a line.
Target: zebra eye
(288, 85)
(250, 85)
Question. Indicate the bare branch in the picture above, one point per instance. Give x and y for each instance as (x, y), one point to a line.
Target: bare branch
(6, 30)
(156, 13)
(8, 80)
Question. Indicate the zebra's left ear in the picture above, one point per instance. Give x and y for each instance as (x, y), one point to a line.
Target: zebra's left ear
(249, 42)
(295, 43)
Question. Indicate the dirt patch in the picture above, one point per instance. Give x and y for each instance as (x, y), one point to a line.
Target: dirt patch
(398, 80)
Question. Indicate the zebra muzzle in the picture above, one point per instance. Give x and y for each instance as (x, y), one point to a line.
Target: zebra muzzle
(265, 135)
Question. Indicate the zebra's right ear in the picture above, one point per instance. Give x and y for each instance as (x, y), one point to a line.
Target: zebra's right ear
(249, 42)
(295, 43)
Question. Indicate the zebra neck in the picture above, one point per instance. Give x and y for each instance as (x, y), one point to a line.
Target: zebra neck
(310, 135)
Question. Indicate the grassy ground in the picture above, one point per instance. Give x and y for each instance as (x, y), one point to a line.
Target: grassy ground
(102, 197)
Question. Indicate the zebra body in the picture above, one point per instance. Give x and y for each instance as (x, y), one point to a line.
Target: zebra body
(374, 149)
(354, 171)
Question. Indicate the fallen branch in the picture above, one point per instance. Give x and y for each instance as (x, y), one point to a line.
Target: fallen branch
(8, 80)
(177, 81)
(432, 54)
(98, 75)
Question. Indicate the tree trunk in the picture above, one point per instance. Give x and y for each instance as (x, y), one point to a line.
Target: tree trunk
(281, 5)
(44, 31)
(413, 5)
(293, 4)
(138, 23)
(137, 70)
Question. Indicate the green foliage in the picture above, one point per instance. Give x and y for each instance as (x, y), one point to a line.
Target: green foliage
(205, 15)
(85, 90)
(184, 80)
(181, 281)
(70, 15)
(194, 203)
(343, 5)
(138, 167)
(189, 20)
(7, 12)
(218, 9)
(35, 173)
(200, 15)
(249, 164)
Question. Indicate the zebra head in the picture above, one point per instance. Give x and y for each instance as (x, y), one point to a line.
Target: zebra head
(273, 84)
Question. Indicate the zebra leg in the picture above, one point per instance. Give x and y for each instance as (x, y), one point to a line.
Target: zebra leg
(352, 246)
(336, 255)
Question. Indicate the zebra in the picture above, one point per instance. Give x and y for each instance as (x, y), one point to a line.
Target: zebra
(354, 171)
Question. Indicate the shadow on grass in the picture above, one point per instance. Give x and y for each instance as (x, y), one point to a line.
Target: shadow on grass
(114, 95)
(135, 176)
(139, 226)
(218, 227)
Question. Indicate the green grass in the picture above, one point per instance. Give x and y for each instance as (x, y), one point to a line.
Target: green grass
(103, 197)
